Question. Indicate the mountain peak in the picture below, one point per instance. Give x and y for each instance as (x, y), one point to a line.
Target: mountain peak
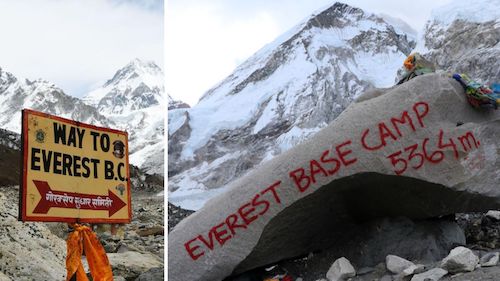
(334, 16)
(134, 69)
(137, 85)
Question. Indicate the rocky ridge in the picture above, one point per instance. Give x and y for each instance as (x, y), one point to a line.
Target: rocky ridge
(464, 37)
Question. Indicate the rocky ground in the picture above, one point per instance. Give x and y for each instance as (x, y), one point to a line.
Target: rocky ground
(479, 232)
(37, 251)
(175, 215)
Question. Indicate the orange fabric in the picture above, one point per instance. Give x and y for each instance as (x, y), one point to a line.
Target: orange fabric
(83, 238)
(409, 62)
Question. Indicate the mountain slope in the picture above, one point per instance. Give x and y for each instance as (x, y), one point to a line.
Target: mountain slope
(41, 95)
(133, 100)
(464, 36)
(136, 86)
(281, 95)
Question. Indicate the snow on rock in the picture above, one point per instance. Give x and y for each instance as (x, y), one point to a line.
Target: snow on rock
(136, 86)
(464, 37)
(283, 94)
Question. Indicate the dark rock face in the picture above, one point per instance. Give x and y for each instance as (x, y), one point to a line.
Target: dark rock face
(176, 215)
(481, 231)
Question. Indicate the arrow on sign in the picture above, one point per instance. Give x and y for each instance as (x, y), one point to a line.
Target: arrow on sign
(71, 200)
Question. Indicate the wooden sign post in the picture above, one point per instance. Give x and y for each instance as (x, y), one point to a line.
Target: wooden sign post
(75, 173)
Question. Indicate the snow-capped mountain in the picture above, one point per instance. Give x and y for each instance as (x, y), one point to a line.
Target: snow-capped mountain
(464, 36)
(133, 100)
(283, 94)
(136, 86)
(41, 95)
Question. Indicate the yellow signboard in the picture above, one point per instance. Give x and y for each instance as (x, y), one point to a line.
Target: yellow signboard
(73, 172)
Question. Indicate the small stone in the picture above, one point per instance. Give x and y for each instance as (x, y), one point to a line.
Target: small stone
(341, 269)
(430, 275)
(397, 264)
(493, 214)
(365, 270)
(414, 269)
(386, 277)
(490, 259)
(460, 259)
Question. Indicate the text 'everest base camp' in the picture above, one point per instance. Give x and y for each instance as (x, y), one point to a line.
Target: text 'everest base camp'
(328, 166)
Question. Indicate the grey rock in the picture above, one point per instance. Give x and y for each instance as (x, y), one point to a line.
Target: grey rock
(460, 259)
(465, 47)
(397, 264)
(152, 274)
(364, 270)
(430, 275)
(131, 265)
(340, 270)
(386, 277)
(287, 214)
(493, 214)
(414, 269)
(489, 259)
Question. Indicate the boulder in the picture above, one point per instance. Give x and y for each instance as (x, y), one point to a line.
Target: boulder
(418, 150)
(340, 270)
(152, 274)
(397, 264)
(494, 214)
(490, 259)
(131, 265)
(414, 269)
(27, 248)
(460, 259)
(430, 275)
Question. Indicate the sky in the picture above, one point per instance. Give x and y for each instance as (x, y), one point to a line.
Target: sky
(78, 44)
(207, 39)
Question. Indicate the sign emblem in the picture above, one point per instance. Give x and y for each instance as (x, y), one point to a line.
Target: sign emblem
(40, 136)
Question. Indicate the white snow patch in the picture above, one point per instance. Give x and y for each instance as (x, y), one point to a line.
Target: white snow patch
(294, 136)
(472, 11)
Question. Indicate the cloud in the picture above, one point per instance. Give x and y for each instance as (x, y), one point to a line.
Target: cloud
(204, 44)
(78, 44)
